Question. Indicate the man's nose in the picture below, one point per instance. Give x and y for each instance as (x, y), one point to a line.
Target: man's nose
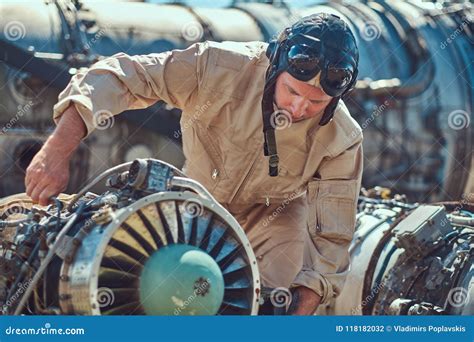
(298, 107)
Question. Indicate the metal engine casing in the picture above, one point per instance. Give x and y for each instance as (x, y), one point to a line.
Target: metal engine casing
(409, 260)
(84, 254)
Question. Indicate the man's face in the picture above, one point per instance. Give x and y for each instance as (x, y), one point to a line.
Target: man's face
(300, 99)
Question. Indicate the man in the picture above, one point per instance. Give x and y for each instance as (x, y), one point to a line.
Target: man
(297, 202)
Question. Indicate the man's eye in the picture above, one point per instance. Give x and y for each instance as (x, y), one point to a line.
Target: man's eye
(292, 92)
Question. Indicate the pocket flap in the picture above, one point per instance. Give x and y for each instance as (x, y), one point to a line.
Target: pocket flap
(332, 208)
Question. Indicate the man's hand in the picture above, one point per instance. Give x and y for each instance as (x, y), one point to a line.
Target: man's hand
(304, 301)
(48, 173)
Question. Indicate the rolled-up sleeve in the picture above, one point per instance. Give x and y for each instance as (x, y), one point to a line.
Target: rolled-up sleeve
(123, 82)
(332, 205)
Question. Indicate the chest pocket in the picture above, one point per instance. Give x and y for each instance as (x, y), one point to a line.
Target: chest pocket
(227, 76)
(332, 208)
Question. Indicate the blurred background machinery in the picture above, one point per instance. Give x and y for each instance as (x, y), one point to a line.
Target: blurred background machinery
(154, 243)
(414, 98)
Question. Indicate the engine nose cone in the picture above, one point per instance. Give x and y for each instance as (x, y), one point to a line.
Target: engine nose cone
(181, 280)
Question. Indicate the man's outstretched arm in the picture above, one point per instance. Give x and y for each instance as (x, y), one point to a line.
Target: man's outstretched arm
(113, 85)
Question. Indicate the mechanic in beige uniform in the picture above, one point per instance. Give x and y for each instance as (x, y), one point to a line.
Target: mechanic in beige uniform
(297, 202)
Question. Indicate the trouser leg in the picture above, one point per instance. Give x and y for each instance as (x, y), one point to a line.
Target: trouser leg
(276, 233)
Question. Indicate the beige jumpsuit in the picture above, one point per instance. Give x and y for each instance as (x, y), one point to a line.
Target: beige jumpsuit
(300, 223)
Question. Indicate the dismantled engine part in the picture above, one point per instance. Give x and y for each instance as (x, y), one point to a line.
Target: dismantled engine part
(91, 254)
(409, 259)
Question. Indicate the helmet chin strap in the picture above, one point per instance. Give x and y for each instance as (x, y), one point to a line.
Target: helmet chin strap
(269, 146)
